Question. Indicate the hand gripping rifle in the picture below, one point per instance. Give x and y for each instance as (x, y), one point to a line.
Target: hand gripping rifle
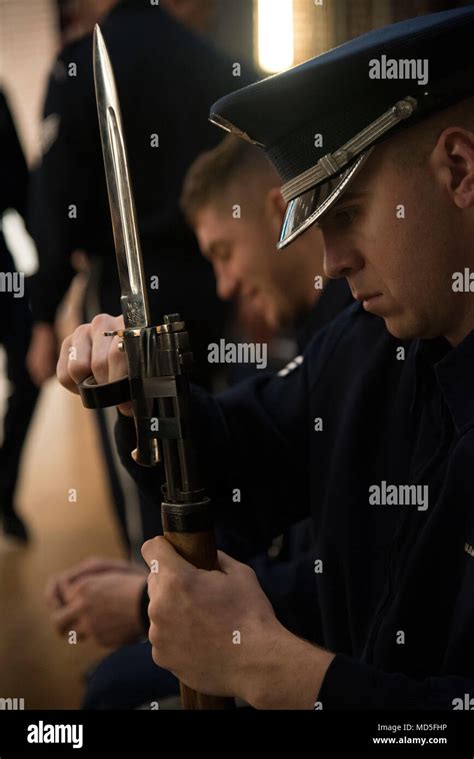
(158, 359)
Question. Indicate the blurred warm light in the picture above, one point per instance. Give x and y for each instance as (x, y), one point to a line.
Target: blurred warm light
(275, 35)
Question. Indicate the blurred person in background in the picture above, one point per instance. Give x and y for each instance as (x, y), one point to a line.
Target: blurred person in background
(167, 74)
(231, 198)
(15, 328)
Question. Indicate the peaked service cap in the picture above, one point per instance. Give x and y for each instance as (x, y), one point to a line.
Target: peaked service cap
(353, 97)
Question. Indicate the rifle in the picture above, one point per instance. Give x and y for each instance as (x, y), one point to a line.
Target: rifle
(158, 359)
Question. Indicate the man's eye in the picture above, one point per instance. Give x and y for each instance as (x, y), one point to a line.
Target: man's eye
(345, 217)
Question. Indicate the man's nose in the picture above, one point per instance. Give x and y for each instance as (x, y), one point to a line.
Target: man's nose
(226, 284)
(340, 259)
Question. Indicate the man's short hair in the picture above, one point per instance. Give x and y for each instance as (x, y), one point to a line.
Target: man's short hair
(234, 162)
(412, 147)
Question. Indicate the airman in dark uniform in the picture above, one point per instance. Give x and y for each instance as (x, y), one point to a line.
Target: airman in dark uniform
(372, 434)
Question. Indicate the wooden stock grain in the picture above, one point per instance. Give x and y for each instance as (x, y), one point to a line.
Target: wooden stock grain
(199, 548)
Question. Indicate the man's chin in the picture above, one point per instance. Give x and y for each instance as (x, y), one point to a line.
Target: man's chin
(401, 330)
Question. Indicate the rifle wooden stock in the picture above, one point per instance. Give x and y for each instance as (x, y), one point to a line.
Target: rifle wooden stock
(199, 548)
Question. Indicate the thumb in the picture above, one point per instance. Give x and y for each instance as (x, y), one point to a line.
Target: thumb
(226, 563)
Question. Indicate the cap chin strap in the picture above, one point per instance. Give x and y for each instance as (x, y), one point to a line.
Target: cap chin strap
(333, 191)
(332, 163)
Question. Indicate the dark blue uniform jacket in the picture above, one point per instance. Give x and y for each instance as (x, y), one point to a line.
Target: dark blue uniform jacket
(340, 438)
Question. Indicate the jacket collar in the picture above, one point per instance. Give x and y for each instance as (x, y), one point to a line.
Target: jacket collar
(453, 369)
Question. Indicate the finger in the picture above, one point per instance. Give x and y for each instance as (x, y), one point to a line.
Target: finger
(62, 368)
(97, 564)
(53, 595)
(79, 354)
(149, 549)
(91, 565)
(77, 589)
(66, 618)
(57, 587)
(159, 549)
(101, 345)
(70, 588)
(100, 357)
(63, 585)
(117, 362)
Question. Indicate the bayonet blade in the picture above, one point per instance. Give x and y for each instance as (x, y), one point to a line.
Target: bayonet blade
(122, 208)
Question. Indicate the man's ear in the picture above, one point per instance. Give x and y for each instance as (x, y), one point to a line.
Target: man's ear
(275, 207)
(454, 154)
